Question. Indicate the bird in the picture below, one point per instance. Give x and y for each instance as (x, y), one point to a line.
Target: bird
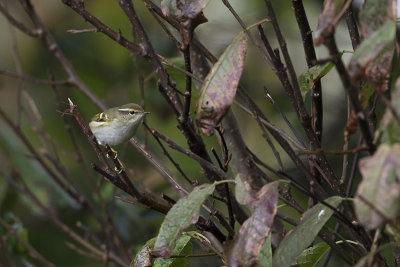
(117, 125)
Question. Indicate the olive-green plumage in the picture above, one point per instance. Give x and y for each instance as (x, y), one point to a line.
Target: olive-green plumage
(117, 125)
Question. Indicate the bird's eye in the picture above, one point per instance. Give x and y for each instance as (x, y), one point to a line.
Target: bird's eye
(132, 112)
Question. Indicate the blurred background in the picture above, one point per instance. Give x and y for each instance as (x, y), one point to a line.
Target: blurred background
(114, 75)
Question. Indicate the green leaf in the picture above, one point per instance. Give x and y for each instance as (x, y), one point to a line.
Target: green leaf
(183, 214)
(304, 234)
(311, 256)
(378, 195)
(313, 74)
(219, 88)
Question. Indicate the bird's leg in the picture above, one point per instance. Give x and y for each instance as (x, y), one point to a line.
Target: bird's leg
(111, 153)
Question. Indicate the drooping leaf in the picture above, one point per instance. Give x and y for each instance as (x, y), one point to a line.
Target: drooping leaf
(327, 19)
(265, 257)
(311, 256)
(220, 86)
(183, 214)
(248, 242)
(304, 233)
(389, 127)
(378, 195)
(313, 74)
(374, 56)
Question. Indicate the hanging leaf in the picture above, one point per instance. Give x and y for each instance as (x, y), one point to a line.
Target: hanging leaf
(248, 242)
(183, 214)
(220, 86)
(327, 19)
(312, 75)
(304, 233)
(373, 57)
(378, 195)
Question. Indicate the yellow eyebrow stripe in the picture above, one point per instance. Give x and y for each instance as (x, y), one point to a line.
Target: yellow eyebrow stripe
(127, 109)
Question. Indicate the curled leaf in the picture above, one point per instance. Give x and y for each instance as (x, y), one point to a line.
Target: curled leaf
(220, 86)
(248, 242)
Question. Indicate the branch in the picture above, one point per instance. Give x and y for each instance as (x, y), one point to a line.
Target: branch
(330, 43)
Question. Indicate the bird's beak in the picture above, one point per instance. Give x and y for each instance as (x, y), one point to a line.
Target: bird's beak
(146, 112)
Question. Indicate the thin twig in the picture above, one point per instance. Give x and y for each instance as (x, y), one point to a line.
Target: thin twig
(35, 80)
(170, 158)
(309, 50)
(251, 37)
(188, 92)
(73, 31)
(19, 25)
(352, 26)
(334, 152)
